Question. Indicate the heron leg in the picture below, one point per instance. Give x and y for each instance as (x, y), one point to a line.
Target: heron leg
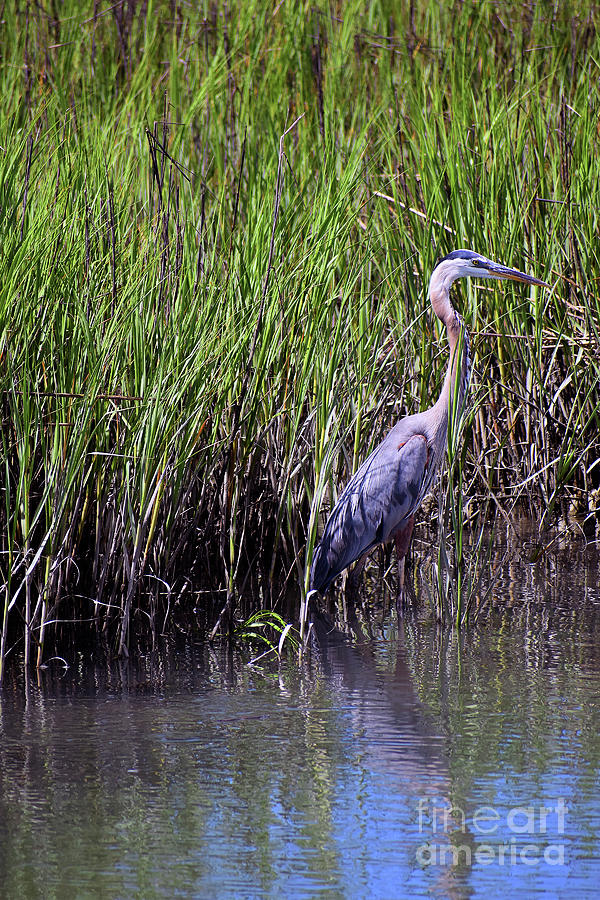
(354, 577)
(402, 539)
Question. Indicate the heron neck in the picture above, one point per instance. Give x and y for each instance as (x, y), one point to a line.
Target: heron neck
(459, 365)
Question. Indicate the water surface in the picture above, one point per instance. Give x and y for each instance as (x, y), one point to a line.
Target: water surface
(413, 762)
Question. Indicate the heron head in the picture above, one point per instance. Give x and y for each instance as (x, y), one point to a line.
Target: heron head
(467, 264)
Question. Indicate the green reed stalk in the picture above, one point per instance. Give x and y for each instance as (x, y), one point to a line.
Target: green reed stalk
(183, 386)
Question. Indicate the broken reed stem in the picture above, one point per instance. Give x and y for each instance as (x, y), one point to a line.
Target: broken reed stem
(227, 610)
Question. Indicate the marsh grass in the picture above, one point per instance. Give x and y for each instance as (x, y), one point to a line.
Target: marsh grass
(205, 325)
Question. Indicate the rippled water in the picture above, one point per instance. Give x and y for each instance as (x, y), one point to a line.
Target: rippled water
(412, 763)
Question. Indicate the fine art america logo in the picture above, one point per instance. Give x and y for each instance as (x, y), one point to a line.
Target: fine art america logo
(523, 835)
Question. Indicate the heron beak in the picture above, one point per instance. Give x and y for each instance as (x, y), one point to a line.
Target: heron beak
(499, 271)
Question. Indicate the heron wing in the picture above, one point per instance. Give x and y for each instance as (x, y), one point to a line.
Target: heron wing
(378, 499)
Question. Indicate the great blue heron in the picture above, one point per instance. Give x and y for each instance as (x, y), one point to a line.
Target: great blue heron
(380, 501)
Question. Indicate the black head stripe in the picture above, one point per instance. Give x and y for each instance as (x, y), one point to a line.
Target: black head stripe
(461, 254)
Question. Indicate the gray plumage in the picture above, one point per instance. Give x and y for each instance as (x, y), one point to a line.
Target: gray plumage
(381, 499)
